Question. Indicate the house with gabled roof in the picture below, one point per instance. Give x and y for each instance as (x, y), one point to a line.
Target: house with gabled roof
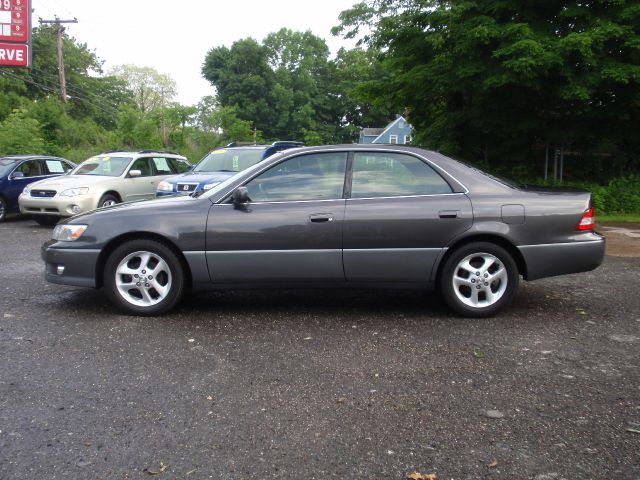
(397, 132)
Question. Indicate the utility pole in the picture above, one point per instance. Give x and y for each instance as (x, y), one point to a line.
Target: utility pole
(163, 127)
(58, 23)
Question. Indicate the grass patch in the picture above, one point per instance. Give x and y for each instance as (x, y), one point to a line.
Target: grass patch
(625, 217)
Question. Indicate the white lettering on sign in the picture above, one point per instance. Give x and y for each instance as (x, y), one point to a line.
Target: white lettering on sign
(12, 55)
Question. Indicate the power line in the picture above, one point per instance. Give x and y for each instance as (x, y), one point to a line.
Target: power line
(51, 90)
(77, 92)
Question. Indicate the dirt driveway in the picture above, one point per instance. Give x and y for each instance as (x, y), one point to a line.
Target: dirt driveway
(623, 239)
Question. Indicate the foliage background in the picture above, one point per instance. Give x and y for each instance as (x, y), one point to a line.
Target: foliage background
(508, 86)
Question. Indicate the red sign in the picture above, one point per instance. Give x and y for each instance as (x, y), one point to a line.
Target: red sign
(14, 55)
(14, 21)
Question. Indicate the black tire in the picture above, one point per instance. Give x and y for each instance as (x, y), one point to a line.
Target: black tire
(107, 200)
(134, 300)
(46, 221)
(3, 210)
(494, 291)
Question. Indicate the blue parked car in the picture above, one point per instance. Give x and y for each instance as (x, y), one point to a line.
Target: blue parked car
(18, 171)
(218, 165)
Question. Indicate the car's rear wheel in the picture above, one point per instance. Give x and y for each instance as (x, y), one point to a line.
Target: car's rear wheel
(107, 200)
(479, 279)
(3, 210)
(144, 277)
(46, 220)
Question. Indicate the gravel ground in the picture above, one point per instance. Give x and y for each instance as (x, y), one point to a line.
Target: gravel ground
(317, 384)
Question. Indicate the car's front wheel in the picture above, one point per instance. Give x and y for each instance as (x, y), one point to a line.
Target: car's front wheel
(107, 200)
(144, 277)
(479, 279)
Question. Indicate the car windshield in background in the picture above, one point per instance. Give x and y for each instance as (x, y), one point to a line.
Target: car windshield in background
(230, 160)
(6, 164)
(103, 166)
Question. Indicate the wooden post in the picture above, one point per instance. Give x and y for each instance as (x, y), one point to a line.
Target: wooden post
(63, 83)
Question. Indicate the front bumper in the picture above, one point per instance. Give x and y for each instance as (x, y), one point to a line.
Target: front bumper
(56, 206)
(553, 259)
(70, 266)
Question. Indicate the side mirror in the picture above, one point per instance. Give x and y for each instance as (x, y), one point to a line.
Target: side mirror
(240, 196)
(135, 173)
(17, 175)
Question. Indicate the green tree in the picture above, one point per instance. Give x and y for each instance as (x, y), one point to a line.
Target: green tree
(136, 130)
(488, 80)
(244, 80)
(357, 73)
(150, 89)
(20, 134)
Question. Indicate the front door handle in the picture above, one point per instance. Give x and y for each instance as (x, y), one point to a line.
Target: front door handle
(448, 213)
(321, 217)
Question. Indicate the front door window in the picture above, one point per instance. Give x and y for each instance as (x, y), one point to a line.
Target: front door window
(317, 176)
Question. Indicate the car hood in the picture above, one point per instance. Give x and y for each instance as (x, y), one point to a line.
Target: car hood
(72, 181)
(203, 177)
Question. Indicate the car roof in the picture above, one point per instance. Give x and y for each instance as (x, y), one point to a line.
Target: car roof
(30, 156)
(279, 143)
(140, 153)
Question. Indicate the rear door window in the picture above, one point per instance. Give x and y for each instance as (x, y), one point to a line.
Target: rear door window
(381, 174)
(162, 166)
(56, 167)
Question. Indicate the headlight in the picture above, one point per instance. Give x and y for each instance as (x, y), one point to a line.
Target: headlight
(165, 187)
(209, 186)
(68, 233)
(26, 190)
(72, 192)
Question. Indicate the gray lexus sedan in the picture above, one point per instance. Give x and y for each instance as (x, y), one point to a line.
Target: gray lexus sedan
(333, 216)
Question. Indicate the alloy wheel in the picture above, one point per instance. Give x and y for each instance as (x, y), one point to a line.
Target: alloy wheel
(143, 278)
(480, 280)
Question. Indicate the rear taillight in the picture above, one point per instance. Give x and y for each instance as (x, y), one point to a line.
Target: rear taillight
(587, 221)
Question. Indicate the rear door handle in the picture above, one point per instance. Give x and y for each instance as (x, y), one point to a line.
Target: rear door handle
(321, 217)
(448, 213)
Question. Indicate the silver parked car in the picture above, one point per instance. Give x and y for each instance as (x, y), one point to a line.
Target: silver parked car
(339, 216)
(100, 181)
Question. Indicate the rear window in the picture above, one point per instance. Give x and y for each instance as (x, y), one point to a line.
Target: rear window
(179, 166)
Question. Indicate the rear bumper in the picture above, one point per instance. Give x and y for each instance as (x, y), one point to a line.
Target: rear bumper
(72, 266)
(553, 259)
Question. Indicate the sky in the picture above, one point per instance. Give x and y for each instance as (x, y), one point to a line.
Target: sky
(174, 36)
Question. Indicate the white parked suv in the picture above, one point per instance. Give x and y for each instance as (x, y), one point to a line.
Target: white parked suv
(100, 181)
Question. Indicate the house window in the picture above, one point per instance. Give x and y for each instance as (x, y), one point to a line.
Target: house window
(393, 138)
(407, 139)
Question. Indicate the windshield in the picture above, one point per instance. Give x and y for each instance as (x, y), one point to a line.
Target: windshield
(103, 165)
(229, 160)
(6, 164)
